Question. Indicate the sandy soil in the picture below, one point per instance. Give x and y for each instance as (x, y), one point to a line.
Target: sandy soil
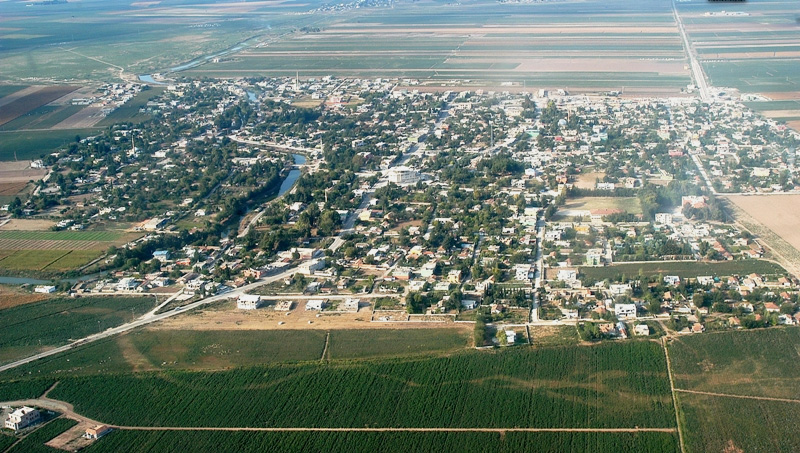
(85, 118)
(11, 297)
(779, 213)
(227, 317)
(783, 96)
(11, 172)
(28, 225)
(794, 125)
(12, 188)
(588, 180)
(781, 113)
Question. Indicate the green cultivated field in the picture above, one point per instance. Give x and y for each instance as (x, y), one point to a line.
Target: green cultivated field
(610, 385)
(736, 425)
(21, 145)
(683, 269)
(355, 344)
(756, 363)
(130, 111)
(52, 322)
(5, 90)
(244, 442)
(217, 349)
(6, 440)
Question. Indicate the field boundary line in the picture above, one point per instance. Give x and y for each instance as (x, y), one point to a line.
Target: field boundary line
(672, 392)
(747, 397)
(454, 430)
(51, 262)
(325, 349)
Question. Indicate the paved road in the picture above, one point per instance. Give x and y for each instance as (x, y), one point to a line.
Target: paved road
(150, 318)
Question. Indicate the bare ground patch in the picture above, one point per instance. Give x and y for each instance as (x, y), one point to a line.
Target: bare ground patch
(28, 225)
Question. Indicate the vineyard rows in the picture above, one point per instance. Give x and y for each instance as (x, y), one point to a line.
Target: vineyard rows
(609, 386)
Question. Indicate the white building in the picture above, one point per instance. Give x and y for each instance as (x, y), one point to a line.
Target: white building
(664, 218)
(511, 336)
(625, 311)
(22, 418)
(248, 302)
(349, 304)
(523, 272)
(641, 329)
(567, 275)
(127, 284)
(403, 175)
(315, 304)
(46, 289)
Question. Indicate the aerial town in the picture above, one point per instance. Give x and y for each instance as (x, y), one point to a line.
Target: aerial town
(387, 203)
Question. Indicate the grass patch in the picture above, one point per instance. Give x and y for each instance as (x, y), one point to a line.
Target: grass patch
(545, 336)
(357, 344)
(627, 204)
(217, 349)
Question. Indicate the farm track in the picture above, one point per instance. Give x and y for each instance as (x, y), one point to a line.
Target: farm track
(746, 397)
(672, 392)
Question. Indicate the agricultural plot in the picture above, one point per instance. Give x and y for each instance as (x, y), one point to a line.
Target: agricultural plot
(33, 101)
(613, 385)
(771, 212)
(468, 442)
(536, 45)
(756, 51)
(44, 117)
(755, 363)
(356, 344)
(739, 425)
(54, 322)
(683, 269)
(54, 251)
(35, 442)
(547, 336)
(219, 349)
(20, 145)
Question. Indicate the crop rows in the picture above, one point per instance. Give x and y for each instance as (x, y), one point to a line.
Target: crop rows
(62, 235)
(616, 385)
(244, 442)
(35, 442)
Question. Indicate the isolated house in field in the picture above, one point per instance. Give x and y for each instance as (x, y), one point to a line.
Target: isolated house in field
(97, 432)
(511, 336)
(248, 302)
(22, 418)
(641, 329)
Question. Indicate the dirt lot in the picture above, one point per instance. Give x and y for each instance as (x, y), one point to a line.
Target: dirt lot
(589, 180)
(12, 188)
(226, 316)
(11, 297)
(87, 117)
(28, 225)
(779, 213)
(20, 172)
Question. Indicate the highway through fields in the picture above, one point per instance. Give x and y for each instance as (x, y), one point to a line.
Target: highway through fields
(697, 70)
(149, 318)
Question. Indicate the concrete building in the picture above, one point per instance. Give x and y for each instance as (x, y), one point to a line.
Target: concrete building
(625, 311)
(248, 302)
(403, 175)
(22, 418)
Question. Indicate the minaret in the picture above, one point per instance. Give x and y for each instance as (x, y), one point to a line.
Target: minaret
(297, 81)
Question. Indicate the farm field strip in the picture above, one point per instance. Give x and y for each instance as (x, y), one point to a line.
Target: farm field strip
(26, 103)
(400, 429)
(747, 397)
